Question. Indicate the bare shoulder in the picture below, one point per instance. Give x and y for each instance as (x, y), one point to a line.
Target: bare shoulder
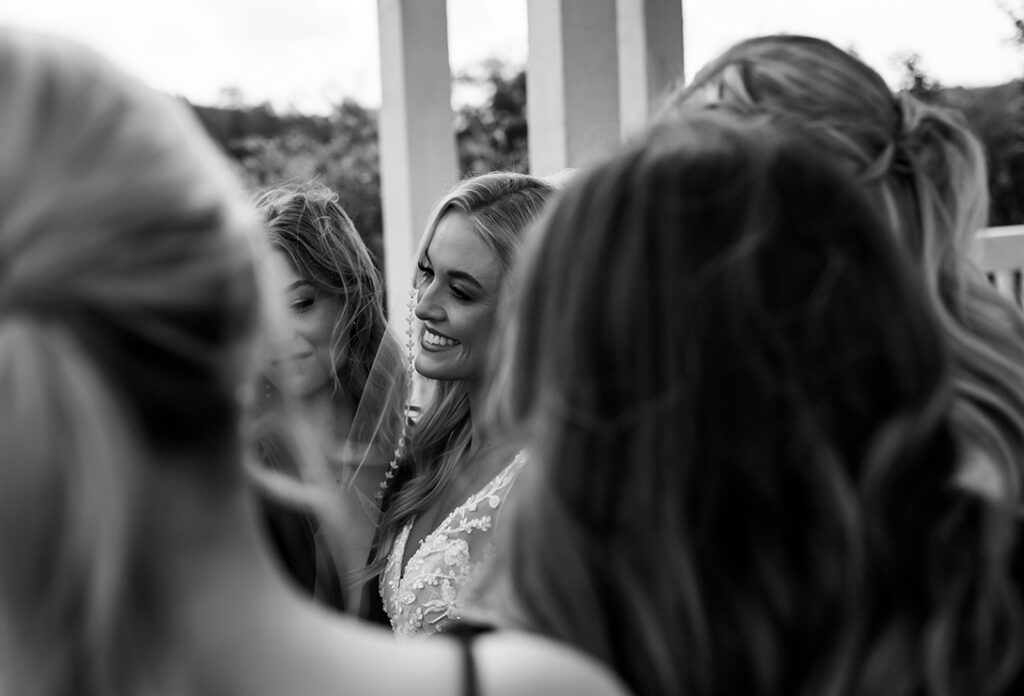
(368, 660)
(517, 663)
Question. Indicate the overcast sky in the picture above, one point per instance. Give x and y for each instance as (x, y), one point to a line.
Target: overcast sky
(307, 54)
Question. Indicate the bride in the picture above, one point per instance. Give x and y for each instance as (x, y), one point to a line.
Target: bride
(445, 493)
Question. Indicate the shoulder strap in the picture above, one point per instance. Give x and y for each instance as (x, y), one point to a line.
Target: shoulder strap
(464, 633)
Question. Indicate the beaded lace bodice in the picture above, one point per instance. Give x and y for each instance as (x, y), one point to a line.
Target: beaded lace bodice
(429, 595)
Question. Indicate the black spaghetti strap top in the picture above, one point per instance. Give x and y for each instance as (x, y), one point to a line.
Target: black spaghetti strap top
(465, 633)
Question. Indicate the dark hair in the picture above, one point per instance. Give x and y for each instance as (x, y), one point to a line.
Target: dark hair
(736, 412)
(926, 171)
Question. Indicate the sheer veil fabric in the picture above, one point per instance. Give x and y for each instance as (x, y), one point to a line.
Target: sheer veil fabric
(394, 396)
(342, 486)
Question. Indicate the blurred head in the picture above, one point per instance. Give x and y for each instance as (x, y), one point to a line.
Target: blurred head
(464, 258)
(332, 289)
(919, 162)
(128, 306)
(724, 230)
(926, 172)
(735, 397)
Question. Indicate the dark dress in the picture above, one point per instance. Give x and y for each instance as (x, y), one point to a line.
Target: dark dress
(294, 533)
(295, 538)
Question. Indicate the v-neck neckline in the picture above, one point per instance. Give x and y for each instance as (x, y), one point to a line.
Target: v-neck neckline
(403, 538)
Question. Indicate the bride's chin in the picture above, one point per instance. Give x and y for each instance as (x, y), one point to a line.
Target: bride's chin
(428, 368)
(421, 367)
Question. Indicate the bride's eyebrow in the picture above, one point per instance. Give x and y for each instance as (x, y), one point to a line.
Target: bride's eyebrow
(466, 278)
(458, 275)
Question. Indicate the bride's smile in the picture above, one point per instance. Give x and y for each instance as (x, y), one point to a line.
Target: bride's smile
(459, 281)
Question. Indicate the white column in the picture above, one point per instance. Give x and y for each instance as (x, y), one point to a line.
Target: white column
(572, 82)
(418, 158)
(650, 56)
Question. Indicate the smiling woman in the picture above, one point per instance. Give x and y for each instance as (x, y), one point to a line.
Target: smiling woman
(309, 357)
(459, 283)
(433, 536)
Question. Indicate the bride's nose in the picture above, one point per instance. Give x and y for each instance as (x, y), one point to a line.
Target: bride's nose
(428, 308)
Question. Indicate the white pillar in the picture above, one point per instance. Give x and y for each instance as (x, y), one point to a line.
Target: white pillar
(650, 56)
(572, 82)
(418, 158)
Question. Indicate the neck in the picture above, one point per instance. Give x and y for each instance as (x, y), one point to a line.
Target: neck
(224, 600)
(482, 462)
(476, 399)
(208, 542)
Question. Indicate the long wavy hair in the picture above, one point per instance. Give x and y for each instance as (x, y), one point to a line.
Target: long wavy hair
(308, 225)
(927, 172)
(501, 207)
(128, 307)
(735, 398)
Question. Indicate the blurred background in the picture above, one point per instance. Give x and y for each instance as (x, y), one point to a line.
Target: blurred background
(290, 88)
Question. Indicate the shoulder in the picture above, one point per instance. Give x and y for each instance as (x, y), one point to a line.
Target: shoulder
(368, 660)
(509, 663)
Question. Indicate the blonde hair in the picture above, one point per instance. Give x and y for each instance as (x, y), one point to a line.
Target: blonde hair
(128, 302)
(927, 173)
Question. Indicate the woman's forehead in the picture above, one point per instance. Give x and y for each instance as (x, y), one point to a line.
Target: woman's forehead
(281, 271)
(456, 245)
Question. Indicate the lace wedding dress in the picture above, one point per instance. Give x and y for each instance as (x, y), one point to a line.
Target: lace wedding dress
(428, 596)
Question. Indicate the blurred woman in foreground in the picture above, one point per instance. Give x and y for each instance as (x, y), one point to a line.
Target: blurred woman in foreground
(926, 172)
(736, 400)
(129, 305)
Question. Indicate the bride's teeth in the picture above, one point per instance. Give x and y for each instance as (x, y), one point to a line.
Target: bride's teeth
(435, 340)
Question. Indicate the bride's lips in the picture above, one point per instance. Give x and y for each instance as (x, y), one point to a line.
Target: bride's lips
(433, 341)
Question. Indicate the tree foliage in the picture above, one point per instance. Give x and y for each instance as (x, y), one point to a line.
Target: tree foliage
(492, 136)
(1016, 17)
(996, 116)
(345, 157)
(916, 81)
(341, 151)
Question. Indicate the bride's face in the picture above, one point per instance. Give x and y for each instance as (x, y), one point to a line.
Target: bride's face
(305, 363)
(459, 282)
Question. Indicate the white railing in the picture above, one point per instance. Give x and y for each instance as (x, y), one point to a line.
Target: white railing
(1000, 253)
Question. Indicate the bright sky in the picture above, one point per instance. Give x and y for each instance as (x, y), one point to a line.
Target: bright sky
(307, 54)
